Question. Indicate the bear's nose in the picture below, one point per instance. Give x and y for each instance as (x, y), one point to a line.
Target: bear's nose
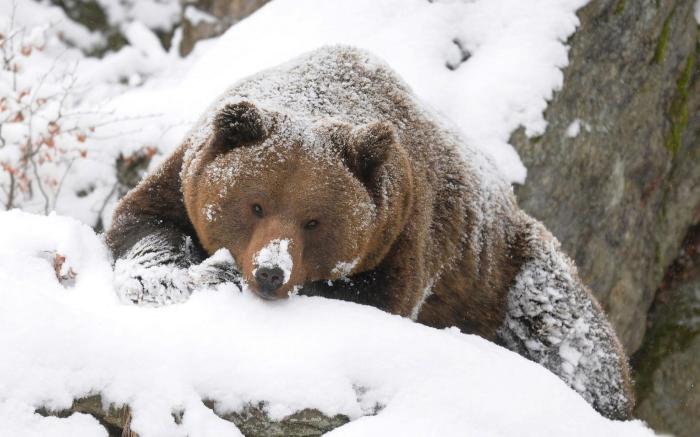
(269, 279)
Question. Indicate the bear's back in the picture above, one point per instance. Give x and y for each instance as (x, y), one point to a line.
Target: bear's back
(354, 86)
(340, 82)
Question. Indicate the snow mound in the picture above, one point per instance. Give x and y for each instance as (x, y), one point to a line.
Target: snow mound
(64, 340)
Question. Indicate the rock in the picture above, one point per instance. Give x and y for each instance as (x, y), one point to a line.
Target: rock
(203, 19)
(615, 176)
(252, 421)
(116, 420)
(668, 365)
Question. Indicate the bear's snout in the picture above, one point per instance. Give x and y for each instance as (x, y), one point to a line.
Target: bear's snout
(269, 279)
(272, 271)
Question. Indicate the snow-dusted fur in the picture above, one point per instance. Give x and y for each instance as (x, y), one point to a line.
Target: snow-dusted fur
(443, 238)
(552, 319)
(151, 273)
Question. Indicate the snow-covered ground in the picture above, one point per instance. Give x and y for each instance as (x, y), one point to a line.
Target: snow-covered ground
(61, 342)
(78, 113)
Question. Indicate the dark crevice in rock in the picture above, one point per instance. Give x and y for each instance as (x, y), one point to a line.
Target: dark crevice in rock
(667, 370)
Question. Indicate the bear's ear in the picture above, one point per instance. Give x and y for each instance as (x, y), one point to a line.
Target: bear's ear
(238, 124)
(372, 147)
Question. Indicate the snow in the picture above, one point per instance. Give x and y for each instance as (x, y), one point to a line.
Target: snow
(344, 268)
(504, 57)
(156, 14)
(552, 320)
(275, 254)
(516, 52)
(574, 128)
(196, 16)
(488, 65)
(54, 99)
(32, 14)
(60, 343)
(149, 274)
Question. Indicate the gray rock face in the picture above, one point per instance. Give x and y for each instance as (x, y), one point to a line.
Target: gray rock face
(252, 421)
(668, 364)
(621, 192)
(212, 18)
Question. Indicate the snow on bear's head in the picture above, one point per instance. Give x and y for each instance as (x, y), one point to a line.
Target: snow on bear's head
(294, 199)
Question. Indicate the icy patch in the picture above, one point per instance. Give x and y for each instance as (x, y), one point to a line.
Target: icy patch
(275, 254)
(344, 268)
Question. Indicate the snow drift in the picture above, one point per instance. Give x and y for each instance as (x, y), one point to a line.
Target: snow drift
(64, 341)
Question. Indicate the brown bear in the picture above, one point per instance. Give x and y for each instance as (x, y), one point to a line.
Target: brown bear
(327, 176)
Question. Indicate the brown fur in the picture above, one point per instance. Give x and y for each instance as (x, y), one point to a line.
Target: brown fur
(388, 186)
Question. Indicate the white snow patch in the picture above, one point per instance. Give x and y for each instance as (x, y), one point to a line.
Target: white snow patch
(574, 128)
(344, 268)
(275, 254)
(569, 353)
(196, 16)
(62, 343)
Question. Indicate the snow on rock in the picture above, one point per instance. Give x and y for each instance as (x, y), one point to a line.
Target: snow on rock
(63, 343)
(156, 14)
(275, 254)
(196, 16)
(489, 65)
(574, 128)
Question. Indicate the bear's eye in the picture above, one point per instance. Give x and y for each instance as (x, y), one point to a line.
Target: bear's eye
(257, 210)
(311, 224)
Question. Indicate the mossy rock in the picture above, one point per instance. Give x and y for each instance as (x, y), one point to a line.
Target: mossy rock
(668, 366)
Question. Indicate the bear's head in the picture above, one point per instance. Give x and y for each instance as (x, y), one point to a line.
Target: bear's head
(297, 201)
